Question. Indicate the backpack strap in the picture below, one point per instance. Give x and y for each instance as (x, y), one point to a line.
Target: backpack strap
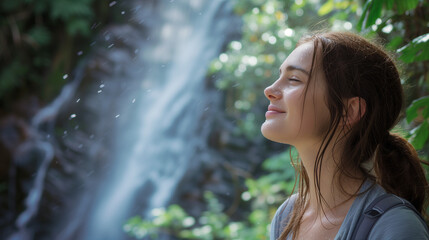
(373, 212)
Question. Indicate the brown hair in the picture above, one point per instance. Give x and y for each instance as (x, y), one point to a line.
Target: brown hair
(356, 67)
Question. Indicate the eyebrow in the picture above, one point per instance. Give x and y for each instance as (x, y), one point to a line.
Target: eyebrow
(292, 67)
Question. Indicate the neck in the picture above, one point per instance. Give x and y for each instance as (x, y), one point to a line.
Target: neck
(333, 199)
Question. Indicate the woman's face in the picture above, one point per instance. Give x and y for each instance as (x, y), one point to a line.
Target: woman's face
(294, 117)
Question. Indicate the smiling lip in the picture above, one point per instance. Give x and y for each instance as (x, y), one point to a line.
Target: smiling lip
(273, 110)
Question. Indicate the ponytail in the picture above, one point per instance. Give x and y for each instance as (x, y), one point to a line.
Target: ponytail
(399, 171)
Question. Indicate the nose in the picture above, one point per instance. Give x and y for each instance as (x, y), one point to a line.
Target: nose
(272, 93)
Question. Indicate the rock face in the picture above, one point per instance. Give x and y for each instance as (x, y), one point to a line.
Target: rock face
(138, 127)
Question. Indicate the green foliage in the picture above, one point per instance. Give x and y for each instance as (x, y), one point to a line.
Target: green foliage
(419, 108)
(174, 221)
(373, 10)
(76, 15)
(40, 35)
(38, 38)
(11, 75)
(330, 5)
(419, 135)
(264, 195)
(416, 50)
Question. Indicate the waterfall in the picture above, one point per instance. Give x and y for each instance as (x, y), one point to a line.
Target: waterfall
(156, 143)
(140, 106)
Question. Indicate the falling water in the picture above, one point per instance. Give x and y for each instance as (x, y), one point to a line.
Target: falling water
(166, 132)
(160, 70)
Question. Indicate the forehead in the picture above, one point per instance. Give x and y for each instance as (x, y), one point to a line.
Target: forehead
(301, 56)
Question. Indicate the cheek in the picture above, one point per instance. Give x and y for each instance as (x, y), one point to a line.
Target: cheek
(317, 116)
(294, 101)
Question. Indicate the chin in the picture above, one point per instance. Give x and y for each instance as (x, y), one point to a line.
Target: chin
(269, 133)
(275, 134)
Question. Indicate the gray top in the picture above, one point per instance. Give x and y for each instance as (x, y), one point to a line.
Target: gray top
(397, 223)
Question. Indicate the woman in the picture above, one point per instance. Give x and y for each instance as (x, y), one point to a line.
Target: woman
(336, 99)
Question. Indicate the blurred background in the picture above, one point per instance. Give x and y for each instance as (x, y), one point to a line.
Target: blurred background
(139, 119)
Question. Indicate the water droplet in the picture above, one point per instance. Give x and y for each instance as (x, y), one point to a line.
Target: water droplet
(205, 109)
(99, 91)
(65, 132)
(72, 116)
(80, 53)
(78, 100)
(111, 45)
(113, 3)
(91, 136)
(200, 13)
(80, 145)
(76, 127)
(123, 12)
(65, 76)
(134, 100)
(136, 51)
(163, 66)
(92, 44)
(102, 86)
(117, 115)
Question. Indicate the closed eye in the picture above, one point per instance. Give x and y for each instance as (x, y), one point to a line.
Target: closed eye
(294, 80)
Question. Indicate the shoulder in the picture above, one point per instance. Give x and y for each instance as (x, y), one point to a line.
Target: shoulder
(399, 223)
(396, 223)
(281, 217)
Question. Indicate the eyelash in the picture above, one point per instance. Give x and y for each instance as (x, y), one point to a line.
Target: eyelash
(294, 79)
(291, 78)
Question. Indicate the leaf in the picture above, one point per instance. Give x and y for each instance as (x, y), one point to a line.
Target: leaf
(363, 17)
(394, 43)
(404, 5)
(420, 135)
(413, 110)
(326, 8)
(374, 12)
(389, 4)
(416, 50)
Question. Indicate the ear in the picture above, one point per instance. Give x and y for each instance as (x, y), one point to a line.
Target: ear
(355, 109)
